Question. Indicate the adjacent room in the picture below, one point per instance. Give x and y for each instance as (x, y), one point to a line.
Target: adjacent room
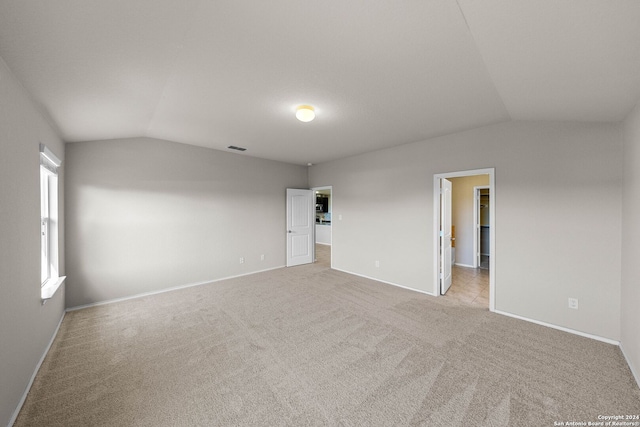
(319, 213)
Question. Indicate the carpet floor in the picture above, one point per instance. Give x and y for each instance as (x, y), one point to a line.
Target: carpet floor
(311, 346)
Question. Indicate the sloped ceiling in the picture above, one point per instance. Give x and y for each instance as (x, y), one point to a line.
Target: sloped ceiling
(380, 73)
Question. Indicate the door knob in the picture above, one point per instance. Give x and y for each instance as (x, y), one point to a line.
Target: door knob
(289, 231)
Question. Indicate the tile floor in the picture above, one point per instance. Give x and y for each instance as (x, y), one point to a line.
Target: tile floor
(470, 286)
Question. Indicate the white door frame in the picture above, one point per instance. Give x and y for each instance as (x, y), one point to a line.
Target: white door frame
(492, 230)
(476, 223)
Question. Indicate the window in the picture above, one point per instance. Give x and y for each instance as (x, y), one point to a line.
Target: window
(49, 275)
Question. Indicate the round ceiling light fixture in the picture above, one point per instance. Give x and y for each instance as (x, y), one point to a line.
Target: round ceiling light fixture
(305, 113)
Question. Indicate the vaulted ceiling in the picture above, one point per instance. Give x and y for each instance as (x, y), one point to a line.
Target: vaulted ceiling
(380, 73)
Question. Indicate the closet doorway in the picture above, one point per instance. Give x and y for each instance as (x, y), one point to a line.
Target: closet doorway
(482, 227)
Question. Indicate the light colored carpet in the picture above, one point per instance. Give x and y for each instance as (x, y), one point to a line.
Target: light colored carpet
(312, 346)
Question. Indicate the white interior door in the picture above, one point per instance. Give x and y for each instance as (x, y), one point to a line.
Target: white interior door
(445, 236)
(300, 226)
(476, 227)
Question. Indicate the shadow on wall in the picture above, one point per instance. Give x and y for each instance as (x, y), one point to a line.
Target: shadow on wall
(146, 215)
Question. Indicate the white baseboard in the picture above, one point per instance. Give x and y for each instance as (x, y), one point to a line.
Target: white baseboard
(560, 328)
(464, 265)
(633, 371)
(504, 313)
(161, 291)
(325, 244)
(35, 372)
(385, 282)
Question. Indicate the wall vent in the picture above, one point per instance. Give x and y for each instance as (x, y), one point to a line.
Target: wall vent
(233, 147)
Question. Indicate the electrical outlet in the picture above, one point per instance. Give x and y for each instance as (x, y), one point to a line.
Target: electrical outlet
(340, 217)
(241, 260)
(262, 257)
(573, 303)
(377, 264)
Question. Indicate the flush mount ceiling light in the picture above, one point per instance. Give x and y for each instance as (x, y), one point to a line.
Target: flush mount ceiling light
(305, 113)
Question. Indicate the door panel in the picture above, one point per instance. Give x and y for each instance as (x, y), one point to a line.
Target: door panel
(300, 227)
(445, 233)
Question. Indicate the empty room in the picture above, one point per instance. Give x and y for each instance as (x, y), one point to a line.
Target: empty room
(337, 213)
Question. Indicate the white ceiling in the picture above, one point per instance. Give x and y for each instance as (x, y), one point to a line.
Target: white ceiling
(379, 72)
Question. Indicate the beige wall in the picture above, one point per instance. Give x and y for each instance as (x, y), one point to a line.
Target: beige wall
(630, 301)
(26, 326)
(462, 207)
(145, 215)
(575, 167)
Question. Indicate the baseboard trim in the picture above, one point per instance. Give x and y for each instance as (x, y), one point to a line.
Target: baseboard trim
(560, 328)
(161, 291)
(14, 417)
(325, 244)
(385, 282)
(464, 265)
(633, 371)
(504, 313)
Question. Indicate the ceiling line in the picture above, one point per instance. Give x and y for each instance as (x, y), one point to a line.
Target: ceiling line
(484, 64)
(171, 68)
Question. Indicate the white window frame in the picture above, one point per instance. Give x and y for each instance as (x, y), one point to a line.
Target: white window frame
(49, 272)
(47, 179)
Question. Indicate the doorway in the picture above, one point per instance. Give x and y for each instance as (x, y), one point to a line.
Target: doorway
(323, 236)
(440, 249)
(309, 226)
(482, 226)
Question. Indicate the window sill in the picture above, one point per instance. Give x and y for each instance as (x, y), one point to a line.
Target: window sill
(49, 289)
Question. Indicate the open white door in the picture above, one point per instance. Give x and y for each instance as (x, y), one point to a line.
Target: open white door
(476, 227)
(300, 226)
(445, 236)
